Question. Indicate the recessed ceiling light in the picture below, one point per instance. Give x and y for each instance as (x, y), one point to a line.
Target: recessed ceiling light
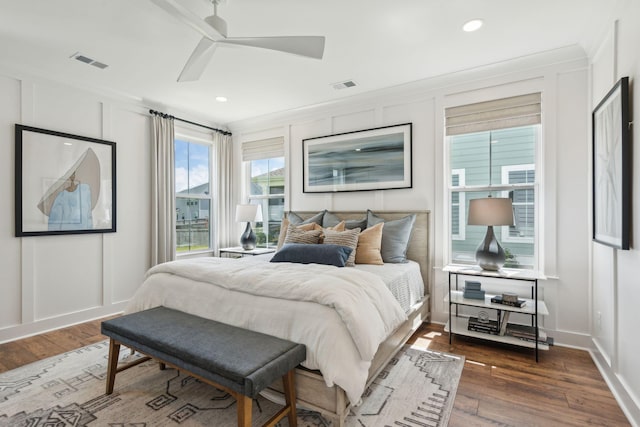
(472, 25)
(221, 98)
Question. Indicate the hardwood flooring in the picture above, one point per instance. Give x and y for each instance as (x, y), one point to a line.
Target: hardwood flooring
(500, 385)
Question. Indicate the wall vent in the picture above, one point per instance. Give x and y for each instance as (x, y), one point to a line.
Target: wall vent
(83, 58)
(343, 85)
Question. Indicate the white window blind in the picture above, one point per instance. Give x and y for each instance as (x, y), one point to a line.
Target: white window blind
(263, 149)
(502, 113)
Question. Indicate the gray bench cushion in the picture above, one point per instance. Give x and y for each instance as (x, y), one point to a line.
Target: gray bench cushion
(242, 360)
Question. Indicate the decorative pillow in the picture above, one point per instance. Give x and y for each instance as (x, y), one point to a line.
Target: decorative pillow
(347, 238)
(294, 218)
(313, 254)
(369, 244)
(395, 236)
(329, 219)
(297, 235)
(284, 225)
(338, 227)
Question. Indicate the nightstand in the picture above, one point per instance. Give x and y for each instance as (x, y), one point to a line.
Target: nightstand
(238, 252)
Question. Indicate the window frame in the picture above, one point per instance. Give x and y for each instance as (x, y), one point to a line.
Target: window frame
(259, 199)
(502, 190)
(192, 139)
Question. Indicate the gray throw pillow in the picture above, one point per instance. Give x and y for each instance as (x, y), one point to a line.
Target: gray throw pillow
(296, 219)
(313, 254)
(395, 236)
(331, 220)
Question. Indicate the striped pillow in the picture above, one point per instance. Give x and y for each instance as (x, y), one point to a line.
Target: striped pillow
(297, 235)
(347, 238)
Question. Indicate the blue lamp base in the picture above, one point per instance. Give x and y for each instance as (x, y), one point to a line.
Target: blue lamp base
(489, 254)
(248, 238)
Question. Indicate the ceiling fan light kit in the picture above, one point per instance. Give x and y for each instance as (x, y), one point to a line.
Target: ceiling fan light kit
(214, 32)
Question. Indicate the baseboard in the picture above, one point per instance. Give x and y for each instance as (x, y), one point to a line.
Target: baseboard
(629, 406)
(12, 333)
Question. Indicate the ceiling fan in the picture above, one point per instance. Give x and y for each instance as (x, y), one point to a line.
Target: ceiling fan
(214, 32)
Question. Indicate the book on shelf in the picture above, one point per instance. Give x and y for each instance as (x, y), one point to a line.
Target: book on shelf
(472, 285)
(504, 322)
(499, 300)
(485, 326)
(472, 294)
(526, 332)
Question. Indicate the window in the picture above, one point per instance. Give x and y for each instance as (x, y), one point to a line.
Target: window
(266, 185)
(193, 196)
(492, 152)
(457, 205)
(266, 189)
(523, 201)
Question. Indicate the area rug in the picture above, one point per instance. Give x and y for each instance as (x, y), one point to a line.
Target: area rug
(417, 388)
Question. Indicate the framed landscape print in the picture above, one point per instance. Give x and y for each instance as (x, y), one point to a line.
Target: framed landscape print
(65, 184)
(612, 168)
(372, 159)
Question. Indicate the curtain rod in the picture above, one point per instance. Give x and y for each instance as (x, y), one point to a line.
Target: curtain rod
(168, 116)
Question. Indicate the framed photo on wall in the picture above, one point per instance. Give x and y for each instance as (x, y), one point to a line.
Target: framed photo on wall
(64, 184)
(371, 159)
(612, 168)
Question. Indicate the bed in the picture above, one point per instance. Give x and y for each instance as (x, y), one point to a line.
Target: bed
(352, 325)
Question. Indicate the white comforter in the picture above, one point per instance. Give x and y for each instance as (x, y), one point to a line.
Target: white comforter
(340, 314)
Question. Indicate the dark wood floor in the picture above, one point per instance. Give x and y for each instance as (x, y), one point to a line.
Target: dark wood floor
(500, 385)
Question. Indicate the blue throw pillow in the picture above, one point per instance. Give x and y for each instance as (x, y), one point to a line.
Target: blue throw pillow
(296, 219)
(395, 236)
(331, 220)
(313, 254)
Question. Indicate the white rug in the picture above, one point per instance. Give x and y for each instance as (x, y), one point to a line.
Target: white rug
(417, 388)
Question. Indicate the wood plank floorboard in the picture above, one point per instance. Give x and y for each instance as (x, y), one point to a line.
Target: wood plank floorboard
(500, 385)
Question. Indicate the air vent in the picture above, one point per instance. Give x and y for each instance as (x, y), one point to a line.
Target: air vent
(83, 58)
(343, 85)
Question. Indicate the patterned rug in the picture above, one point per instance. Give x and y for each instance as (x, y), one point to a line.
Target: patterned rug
(417, 388)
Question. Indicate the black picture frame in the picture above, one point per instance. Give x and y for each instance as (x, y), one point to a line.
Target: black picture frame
(64, 183)
(371, 159)
(612, 167)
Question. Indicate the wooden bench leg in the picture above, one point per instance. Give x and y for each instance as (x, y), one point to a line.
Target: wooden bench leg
(114, 353)
(290, 396)
(244, 410)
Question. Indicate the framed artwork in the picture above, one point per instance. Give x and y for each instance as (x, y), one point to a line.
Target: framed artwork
(612, 168)
(372, 159)
(64, 184)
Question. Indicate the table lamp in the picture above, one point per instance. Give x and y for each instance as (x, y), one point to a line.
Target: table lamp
(248, 214)
(490, 211)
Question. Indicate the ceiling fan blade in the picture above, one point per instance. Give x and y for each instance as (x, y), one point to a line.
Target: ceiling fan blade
(309, 46)
(198, 60)
(178, 11)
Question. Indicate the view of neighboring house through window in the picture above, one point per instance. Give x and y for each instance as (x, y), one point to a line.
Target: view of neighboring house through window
(193, 196)
(493, 147)
(266, 188)
(500, 163)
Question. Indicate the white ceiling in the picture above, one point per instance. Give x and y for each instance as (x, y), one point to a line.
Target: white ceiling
(378, 44)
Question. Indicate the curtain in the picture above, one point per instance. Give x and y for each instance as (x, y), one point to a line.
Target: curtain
(263, 149)
(223, 196)
(502, 113)
(163, 201)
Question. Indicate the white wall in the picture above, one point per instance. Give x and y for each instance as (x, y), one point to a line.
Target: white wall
(614, 274)
(561, 76)
(52, 281)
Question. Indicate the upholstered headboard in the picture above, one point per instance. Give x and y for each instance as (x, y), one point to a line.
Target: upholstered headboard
(418, 249)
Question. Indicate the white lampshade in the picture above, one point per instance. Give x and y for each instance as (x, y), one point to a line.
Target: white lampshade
(490, 211)
(248, 213)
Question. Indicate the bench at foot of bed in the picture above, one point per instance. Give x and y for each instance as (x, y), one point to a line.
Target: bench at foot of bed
(236, 360)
